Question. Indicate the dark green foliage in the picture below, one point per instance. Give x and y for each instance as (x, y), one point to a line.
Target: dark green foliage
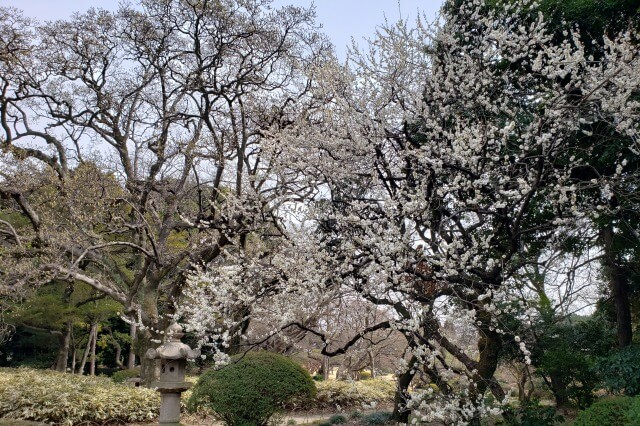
(122, 375)
(565, 355)
(532, 414)
(318, 377)
(29, 348)
(633, 414)
(113, 329)
(42, 318)
(610, 411)
(570, 374)
(252, 389)
(337, 419)
(620, 372)
(377, 418)
(593, 18)
(599, 146)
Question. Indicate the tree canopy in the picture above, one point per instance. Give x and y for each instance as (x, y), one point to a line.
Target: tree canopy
(462, 183)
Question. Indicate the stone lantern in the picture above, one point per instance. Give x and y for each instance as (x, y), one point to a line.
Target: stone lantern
(173, 355)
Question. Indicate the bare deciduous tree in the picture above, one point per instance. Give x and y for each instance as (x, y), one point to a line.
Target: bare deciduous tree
(156, 130)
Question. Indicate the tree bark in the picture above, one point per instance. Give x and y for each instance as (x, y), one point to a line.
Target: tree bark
(74, 353)
(92, 364)
(524, 391)
(63, 352)
(131, 362)
(400, 413)
(489, 345)
(623, 309)
(116, 344)
(559, 389)
(619, 288)
(148, 337)
(326, 367)
(87, 349)
(149, 368)
(372, 363)
(73, 360)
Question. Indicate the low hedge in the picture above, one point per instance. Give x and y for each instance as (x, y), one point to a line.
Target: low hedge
(52, 397)
(345, 394)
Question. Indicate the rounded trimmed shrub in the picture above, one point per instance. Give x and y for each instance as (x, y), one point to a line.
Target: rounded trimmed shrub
(609, 411)
(252, 388)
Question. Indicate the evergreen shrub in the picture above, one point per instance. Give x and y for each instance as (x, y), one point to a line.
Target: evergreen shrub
(377, 418)
(531, 414)
(337, 419)
(122, 376)
(633, 413)
(620, 372)
(252, 388)
(608, 411)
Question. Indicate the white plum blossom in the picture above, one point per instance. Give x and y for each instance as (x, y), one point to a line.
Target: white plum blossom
(446, 152)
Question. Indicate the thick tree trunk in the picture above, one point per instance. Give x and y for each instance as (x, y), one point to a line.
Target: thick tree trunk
(149, 368)
(63, 352)
(400, 413)
(326, 367)
(489, 345)
(131, 362)
(619, 288)
(148, 337)
(525, 387)
(559, 390)
(118, 357)
(623, 309)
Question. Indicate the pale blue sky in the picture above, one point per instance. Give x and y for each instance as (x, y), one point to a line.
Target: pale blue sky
(341, 19)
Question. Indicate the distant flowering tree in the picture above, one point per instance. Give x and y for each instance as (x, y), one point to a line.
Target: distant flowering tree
(448, 163)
